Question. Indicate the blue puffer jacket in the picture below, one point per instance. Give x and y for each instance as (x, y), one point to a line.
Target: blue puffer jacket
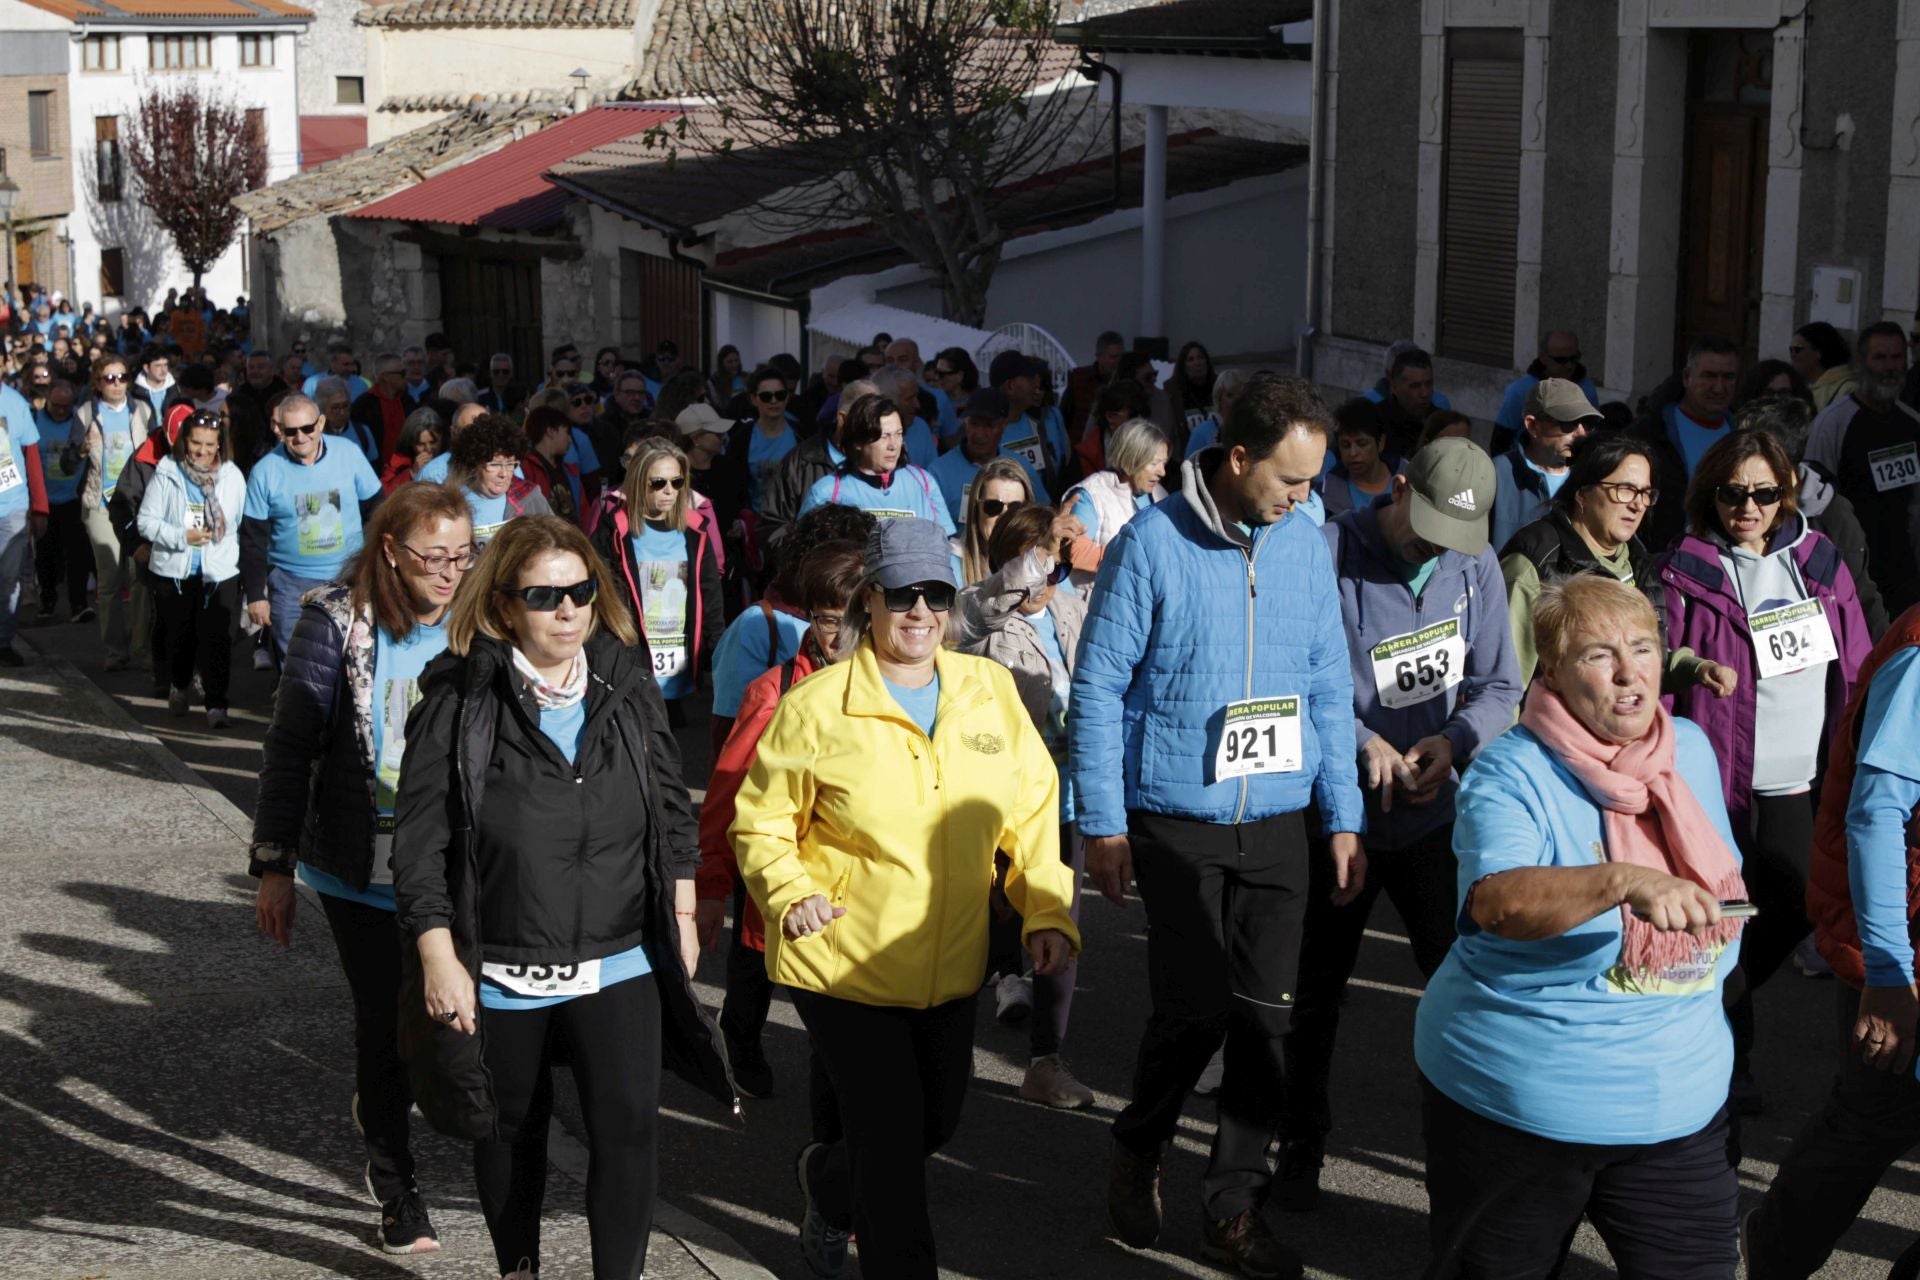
(1185, 618)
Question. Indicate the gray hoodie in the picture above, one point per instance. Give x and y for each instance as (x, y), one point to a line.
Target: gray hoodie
(1785, 755)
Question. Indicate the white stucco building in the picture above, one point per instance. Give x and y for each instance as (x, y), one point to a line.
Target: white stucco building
(243, 48)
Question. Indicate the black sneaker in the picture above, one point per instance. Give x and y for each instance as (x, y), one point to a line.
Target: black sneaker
(752, 1073)
(405, 1227)
(1297, 1189)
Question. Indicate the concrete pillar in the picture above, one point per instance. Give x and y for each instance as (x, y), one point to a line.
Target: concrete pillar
(1153, 229)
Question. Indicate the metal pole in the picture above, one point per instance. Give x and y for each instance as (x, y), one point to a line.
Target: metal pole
(1153, 227)
(13, 302)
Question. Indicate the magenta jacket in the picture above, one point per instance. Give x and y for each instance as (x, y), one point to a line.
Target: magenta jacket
(1703, 613)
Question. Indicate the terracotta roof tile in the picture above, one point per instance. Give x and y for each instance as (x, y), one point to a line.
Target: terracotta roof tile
(68, 9)
(500, 13)
(170, 10)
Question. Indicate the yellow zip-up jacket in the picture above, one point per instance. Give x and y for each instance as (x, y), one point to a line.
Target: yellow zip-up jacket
(848, 798)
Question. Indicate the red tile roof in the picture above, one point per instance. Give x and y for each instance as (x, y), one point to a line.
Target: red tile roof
(508, 190)
(132, 10)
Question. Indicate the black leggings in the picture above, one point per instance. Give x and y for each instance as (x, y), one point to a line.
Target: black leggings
(1774, 864)
(613, 1042)
(369, 944)
(197, 618)
(65, 555)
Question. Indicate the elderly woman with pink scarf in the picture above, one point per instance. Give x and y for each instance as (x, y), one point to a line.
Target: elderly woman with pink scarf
(1572, 1047)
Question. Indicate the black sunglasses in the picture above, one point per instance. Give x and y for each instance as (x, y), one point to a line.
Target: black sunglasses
(657, 483)
(996, 506)
(769, 397)
(291, 432)
(586, 398)
(938, 595)
(547, 599)
(1059, 574)
(113, 378)
(1572, 359)
(1732, 495)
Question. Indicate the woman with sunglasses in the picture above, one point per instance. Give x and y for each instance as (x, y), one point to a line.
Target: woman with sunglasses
(108, 429)
(760, 442)
(876, 896)
(1019, 617)
(1751, 586)
(190, 517)
(606, 367)
(544, 855)
(663, 569)
(329, 771)
(1001, 486)
(486, 468)
(1136, 462)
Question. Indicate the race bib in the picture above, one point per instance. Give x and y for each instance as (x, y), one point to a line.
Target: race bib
(319, 528)
(1258, 735)
(669, 656)
(196, 515)
(10, 477)
(581, 978)
(1693, 976)
(889, 513)
(1030, 449)
(483, 533)
(1894, 467)
(1791, 638)
(1419, 665)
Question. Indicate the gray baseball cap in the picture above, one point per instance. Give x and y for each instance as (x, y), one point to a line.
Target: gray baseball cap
(909, 550)
(1453, 486)
(1563, 401)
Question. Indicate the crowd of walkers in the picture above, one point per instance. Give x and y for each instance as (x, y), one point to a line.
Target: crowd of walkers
(1617, 709)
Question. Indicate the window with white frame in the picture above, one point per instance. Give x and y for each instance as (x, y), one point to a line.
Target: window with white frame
(100, 53)
(179, 52)
(256, 50)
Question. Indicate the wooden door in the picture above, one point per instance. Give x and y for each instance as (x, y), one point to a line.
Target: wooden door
(665, 301)
(489, 305)
(1724, 213)
(23, 261)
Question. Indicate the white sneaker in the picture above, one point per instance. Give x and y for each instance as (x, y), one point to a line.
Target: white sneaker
(1012, 998)
(177, 700)
(1051, 1082)
(523, 1272)
(217, 718)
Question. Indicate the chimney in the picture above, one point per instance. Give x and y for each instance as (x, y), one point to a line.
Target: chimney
(582, 96)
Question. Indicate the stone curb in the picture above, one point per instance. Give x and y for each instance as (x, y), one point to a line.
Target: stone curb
(717, 1253)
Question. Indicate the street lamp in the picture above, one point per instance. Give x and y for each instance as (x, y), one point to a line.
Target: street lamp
(9, 196)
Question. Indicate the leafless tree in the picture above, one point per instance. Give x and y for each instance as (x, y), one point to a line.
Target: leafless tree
(913, 115)
(191, 151)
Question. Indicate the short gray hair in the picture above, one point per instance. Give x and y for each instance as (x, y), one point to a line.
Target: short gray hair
(325, 392)
(900, 386)
(1228, 383)
(1132, 443)
(459, 391)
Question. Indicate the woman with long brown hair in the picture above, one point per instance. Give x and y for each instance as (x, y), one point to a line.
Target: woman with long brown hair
(544, 864)
(328, 777)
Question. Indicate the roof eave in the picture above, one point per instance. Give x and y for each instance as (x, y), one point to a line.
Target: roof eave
(1261, 46)
(611, 205)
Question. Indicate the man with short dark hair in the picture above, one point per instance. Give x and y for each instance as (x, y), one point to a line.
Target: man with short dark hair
(500, 394)
(983, 427)
(626, 408)
(1406, 396)
(440, 365)
(250, 408)
(1226, 593)
(1870, 442)
(340, 364)
(1680, 433)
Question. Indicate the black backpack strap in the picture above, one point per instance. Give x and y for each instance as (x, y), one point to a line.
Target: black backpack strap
(786, 676)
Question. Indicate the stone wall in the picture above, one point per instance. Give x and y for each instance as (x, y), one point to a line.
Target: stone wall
(331, 47)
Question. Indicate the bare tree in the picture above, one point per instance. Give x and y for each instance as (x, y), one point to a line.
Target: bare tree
(913, 115)
(192, 151)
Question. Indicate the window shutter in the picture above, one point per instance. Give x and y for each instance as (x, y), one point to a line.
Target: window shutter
(1480, 195)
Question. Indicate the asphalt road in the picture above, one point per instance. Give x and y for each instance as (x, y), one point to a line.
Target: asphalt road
(1020, 1191)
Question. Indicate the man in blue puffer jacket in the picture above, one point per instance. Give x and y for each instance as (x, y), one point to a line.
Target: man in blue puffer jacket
(1212, 702)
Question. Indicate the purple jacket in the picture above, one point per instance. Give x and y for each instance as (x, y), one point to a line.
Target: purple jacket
(1703, 613)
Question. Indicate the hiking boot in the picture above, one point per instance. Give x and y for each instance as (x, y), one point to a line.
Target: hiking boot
(404, 1225)
(1133, 1195)
(822, 1245)
(752, 1073)
(1247, 1244)
(1297, 1189)
(1051, 1082)
(1012, 998)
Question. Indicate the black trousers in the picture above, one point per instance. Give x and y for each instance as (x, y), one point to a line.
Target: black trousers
(196, 617)
(1421, 879)
(743, 1017)
(1871, 1118)
(369, 946)
(613, 1044)
(1052, 992)
(64, 555)
(1774, 860)
(1505, 1204)
(1225, 905)
(901, 1076)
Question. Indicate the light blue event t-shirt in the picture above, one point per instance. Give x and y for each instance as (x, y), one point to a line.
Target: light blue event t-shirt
(910, 491)
(742, 657)
(435, 472)
(623, 966)
(63, 485)
(312, 511)
(18, 431)
(1694, 439)
(763, 457)
(920, 704)
(1554, 1036)
(954, 472)
(116, 444)
(488, 515)
(666, 605)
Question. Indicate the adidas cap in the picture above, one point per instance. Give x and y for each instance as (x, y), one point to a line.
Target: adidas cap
(1453, 486)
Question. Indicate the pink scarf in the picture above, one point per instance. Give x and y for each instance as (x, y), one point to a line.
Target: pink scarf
(1650, 819)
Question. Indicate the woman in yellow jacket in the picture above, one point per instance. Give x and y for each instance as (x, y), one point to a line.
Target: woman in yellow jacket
(866, 832)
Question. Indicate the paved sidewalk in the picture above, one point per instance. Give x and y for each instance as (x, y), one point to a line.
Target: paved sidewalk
(174, 1089)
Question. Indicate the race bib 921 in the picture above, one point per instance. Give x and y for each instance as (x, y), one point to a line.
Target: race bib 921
(1258, 735)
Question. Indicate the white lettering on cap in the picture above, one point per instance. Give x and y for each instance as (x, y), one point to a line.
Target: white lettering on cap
(1463, 500)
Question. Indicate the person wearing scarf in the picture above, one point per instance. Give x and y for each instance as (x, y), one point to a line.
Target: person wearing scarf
(544, 853)
(190, 514)
(1573, 1050)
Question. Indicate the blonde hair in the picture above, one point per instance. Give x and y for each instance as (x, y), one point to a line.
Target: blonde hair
(1131, 446)
(1585, 604)
(641, 468)
(477, 609)
(973, 540)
